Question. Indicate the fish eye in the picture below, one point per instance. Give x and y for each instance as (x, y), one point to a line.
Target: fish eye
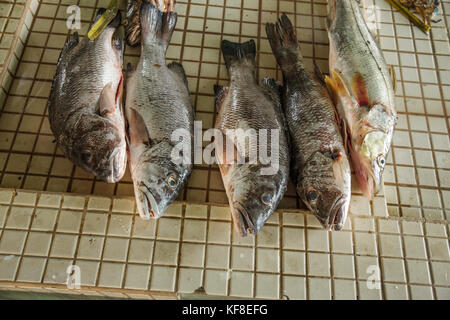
(381, 161)
(266, 198)
(86, 156)
(312, 195)
(172, 181)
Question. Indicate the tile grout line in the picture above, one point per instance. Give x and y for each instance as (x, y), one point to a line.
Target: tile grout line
(130, 239)
(27, 235)
(52, 239)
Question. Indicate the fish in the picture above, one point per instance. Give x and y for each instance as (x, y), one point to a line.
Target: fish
(85, 104)
(320, 167)
(133, 21)
(253, 189)
(363, 88)
(157, 104)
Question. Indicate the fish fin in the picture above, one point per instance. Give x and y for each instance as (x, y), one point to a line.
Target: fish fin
(283, 41)
(156, 25)
(137, 130)
(239, 52)
(337, 88)
(272, 89)
(220, 93)
(359, 90)
(178, 69)
(107, 100)
(393, 77)
(319, 75)
(72, 42)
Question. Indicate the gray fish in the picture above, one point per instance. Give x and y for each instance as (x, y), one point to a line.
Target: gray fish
(320, 167)
(253, 194)
(157, 104)
(85, 106)
(363, 88)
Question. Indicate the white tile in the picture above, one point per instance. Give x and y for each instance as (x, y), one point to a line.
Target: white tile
(319, 264)
(317, 240)
(418, 272)
(393, 270)
(415, 247)
(294, 287)
(441, 271)
(396, 291)
(319, 289)
(344, 289)
(421, 292)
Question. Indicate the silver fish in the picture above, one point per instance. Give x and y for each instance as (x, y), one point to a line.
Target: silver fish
(320, 167)
(363, 88)
(85, 105)
(253, 195)
(157, 104)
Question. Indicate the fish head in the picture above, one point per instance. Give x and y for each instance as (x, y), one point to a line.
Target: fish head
(254, 198)
(158, 180)
(371, 161)
(99, 147)
(324, 187)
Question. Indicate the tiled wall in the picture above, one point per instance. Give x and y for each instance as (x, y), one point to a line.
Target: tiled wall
(193, 246)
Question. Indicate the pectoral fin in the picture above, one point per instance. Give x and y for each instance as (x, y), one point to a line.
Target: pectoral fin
(336, 87)
(137, 130)
(107, 101)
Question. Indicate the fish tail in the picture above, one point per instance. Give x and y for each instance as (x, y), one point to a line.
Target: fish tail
(284, 43)
(239, 52)
(282, 34)
(156, 25)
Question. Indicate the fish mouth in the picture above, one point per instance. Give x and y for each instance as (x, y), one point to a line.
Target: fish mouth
(117, 165)
(243, 221)
(147, 205)
(335, 220)
(338, 214)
